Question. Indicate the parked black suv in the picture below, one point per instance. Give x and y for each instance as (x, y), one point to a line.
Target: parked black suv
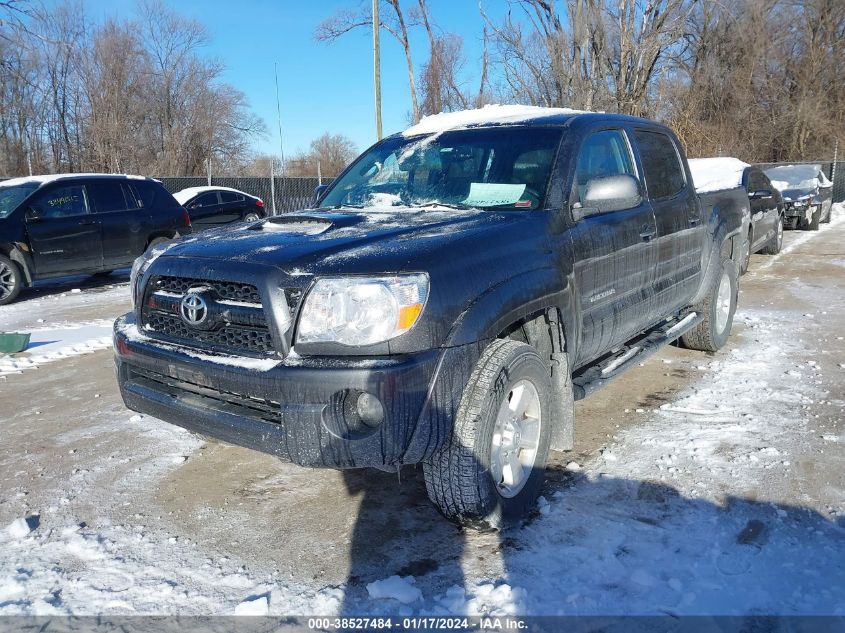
(459, 286)
(80, 223)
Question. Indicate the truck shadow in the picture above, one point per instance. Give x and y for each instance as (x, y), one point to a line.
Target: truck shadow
(596, 545)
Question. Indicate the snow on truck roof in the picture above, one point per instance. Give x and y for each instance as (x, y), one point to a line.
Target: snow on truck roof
(715, 174)
(489, 114)
(186, 194)
(44, 179)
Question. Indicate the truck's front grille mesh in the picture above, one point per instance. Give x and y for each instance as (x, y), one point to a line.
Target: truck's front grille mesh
(235, 321)
(232, 337)
(231, 290)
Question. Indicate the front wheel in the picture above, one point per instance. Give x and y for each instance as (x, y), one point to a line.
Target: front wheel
(718, 308)
(489, 472)
(10, 280)
(815, 218)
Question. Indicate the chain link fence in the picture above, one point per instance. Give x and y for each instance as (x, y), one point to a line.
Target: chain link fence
(835, 172)
(291, 194)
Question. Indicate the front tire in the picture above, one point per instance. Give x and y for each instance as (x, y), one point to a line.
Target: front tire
(10, 280)
(718, 308)
(489, 472)
(815, 218)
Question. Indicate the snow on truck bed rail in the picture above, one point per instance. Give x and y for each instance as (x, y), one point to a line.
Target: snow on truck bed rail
(502, 114)
(716, 174)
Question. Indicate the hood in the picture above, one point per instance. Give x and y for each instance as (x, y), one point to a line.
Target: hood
(346, 240)
(791, 195)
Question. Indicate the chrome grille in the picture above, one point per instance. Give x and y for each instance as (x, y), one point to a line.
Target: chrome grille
(236, 323)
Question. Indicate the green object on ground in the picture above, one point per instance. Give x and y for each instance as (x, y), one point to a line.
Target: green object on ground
(13, 342)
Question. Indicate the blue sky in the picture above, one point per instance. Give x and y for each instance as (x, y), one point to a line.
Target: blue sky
(323, 87)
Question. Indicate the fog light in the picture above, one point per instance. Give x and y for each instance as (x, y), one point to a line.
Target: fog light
(369, 409)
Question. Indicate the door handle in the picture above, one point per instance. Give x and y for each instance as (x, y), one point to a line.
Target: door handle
(87, 222)
(647, 233)
(694, 220)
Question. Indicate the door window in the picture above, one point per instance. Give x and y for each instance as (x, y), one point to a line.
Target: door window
(603, 154)
(205, 200)
(664, 175)
(144, 193)
(228, 196)
(107, 196)
(62, 202)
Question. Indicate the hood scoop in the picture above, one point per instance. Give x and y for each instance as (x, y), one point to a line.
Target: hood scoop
(306, 224)
(298, 224)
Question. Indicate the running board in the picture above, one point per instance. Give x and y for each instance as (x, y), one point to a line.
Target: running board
(636, 351)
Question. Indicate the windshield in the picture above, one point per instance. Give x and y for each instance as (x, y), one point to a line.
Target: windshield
(795, 177)
(11, 197)
(505, 168)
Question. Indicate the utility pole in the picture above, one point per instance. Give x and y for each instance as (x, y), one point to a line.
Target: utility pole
(377, 67)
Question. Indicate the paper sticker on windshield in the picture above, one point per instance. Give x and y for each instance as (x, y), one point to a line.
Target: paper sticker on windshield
(491, 194)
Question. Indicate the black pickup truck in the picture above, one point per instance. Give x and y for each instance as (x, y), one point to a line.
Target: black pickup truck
(447, 300)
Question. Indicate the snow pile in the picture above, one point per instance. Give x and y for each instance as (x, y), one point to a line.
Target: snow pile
(50, 344)
(18, 529)
(498, 114)
(396, 587)
(716, 174)
(253, 606)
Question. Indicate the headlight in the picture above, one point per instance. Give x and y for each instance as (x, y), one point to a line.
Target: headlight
(361, 310)
(140, 266)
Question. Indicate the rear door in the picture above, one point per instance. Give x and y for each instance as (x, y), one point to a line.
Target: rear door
(205, 209)
(615, 254)
(121, 226)
(679, 224)
(232, 206)
(63, 234)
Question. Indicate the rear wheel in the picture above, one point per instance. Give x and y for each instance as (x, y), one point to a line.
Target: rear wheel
(774, 245)
(489, 472)
(10, 280)
(746, 253)
(251, 217)
(718, 309)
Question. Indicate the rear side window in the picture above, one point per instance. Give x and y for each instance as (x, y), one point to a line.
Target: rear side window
(757, 181)
(107, 196)
(62, 202)
(145, 193)
(664, 175)
(603, 154)
(228, 196)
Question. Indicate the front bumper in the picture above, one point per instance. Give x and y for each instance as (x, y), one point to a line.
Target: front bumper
(293, 408)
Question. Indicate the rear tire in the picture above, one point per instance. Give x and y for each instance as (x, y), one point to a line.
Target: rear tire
(718, 308)
(746, 253)
(252, 217)
(490, 470)
(10, 280)
(774, 245)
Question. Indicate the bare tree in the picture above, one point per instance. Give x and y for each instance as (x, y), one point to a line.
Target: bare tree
(330, 153)
(392, 19)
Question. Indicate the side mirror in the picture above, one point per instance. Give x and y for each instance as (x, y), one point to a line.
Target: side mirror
(319, 192)
(33, 214)
(611, 193)
(760, 194)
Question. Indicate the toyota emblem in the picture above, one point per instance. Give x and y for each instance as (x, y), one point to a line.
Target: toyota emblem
(194, 309)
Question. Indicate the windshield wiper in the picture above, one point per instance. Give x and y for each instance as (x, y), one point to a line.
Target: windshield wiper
(448, 205)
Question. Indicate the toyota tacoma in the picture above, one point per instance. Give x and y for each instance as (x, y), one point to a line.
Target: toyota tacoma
(445, 302)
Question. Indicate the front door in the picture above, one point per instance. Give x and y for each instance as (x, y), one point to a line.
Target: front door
(615, 254)
(63, 233)
(205, 209)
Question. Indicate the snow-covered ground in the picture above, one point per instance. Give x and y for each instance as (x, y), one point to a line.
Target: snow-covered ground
(726, 496)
